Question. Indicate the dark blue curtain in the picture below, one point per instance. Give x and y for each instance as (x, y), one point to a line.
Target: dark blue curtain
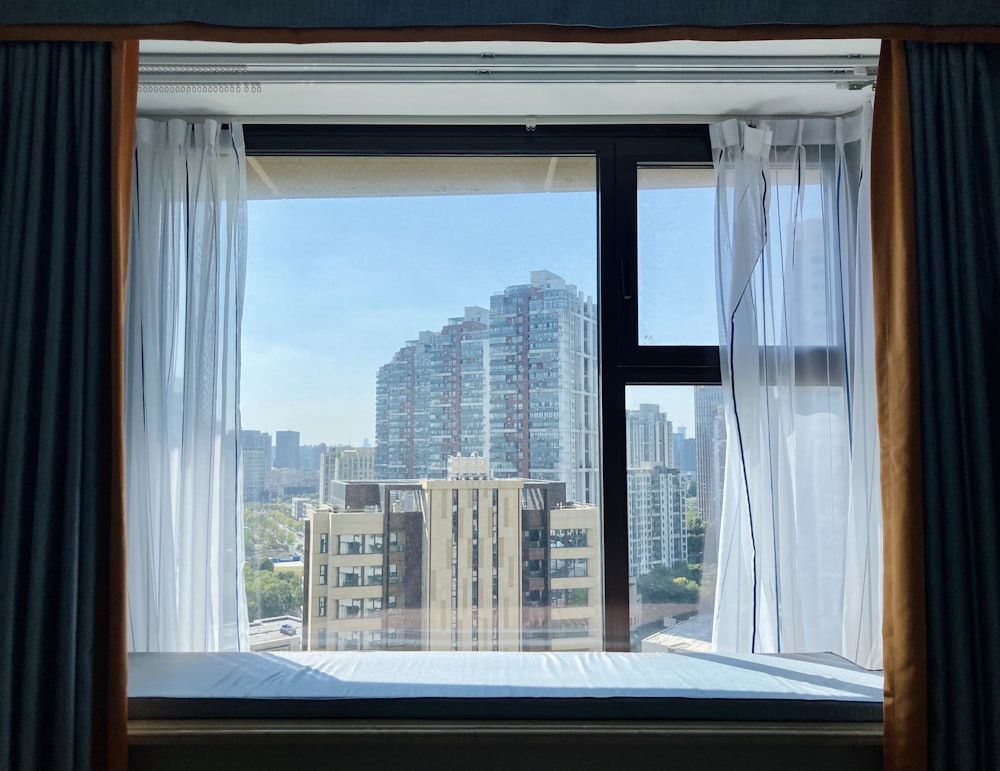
(955, 121)
(608, 14)
(55, 426)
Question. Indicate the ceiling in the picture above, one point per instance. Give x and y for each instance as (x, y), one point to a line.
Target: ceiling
(553, 99)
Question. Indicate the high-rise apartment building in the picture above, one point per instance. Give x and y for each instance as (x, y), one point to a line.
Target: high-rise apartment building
(471, 563)
(431, 400)
(710, 436)
(286, 449)
(543, 385)
(648, 437)
(657, 492)
(657, 527)
(685, 451)
(255, 457)
(342, 464)
(516, 384)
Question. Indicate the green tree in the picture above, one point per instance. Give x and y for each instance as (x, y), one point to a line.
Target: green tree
(266, 564)
(663, 584)
(695, 537)
(272, 593)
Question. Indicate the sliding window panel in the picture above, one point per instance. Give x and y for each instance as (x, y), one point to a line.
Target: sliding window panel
(677, 298)
(675, 447)
(423, 331)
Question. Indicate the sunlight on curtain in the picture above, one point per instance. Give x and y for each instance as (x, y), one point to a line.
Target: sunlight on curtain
(800, 533)
(185, 300)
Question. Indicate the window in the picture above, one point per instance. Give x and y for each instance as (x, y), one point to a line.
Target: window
(324, 543)
(479, 392)
(576, 568)
(321, 607)
(349, 576)
(568, 598)
(348, 608)
(322, 574)
(623, 372)
(506, 381)
(349, 544)
(568, 539)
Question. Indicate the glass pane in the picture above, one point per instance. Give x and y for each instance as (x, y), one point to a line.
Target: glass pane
(423, 331)
(676, 451)
(676, 270)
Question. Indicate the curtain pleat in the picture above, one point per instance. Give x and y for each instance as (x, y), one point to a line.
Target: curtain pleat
(897, 381)
(955, 118)
(800, 528)
(185, 299)
(55, 399)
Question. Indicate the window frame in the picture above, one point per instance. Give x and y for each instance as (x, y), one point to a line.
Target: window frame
(618, 150)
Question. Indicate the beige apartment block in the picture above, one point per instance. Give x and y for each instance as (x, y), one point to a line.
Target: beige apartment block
(453, 564)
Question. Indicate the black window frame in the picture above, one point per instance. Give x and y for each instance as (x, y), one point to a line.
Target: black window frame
(619, 151)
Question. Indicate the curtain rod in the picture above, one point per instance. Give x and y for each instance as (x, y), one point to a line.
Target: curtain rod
(249, 71)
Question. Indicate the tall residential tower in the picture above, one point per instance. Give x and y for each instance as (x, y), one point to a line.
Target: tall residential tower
(516, 384)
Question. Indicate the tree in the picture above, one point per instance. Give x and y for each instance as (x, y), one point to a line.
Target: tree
(695, 537)
(272, 594)
(663, 584)
(266, 564)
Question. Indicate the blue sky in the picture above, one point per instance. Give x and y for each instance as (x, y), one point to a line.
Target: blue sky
(336, 286)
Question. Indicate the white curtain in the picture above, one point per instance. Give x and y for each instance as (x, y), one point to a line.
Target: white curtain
(184, 306)
(799, 537)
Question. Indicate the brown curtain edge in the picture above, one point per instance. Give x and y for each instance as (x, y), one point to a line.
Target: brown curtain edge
(537, 32)
(897, 376)
(110, 741)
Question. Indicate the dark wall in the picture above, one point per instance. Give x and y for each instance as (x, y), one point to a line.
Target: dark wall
(448, 13)
(518, 751)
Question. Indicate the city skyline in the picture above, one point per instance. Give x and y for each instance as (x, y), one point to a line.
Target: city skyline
(332, 293)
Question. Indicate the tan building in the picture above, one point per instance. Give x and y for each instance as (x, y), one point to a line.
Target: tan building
(342, 464)
(452, 564)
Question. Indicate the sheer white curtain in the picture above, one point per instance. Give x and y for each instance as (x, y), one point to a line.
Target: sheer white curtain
(800, 530)
(184, 306)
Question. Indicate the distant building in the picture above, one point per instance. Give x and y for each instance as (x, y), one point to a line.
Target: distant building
(516, 384)
(648, 437)
(431, 400)
(286, 449)
(299, 507)
(310, 455)
(710, 435)
(343, 464)
(657, 526)
(255, 456)
(685, 451)
(543, 385)
(452, 564)
(657, 492)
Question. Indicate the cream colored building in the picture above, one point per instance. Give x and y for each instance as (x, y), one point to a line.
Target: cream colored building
(453, 564)
(344, 463)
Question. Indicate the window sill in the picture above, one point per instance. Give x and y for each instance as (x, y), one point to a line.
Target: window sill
(407, 686)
